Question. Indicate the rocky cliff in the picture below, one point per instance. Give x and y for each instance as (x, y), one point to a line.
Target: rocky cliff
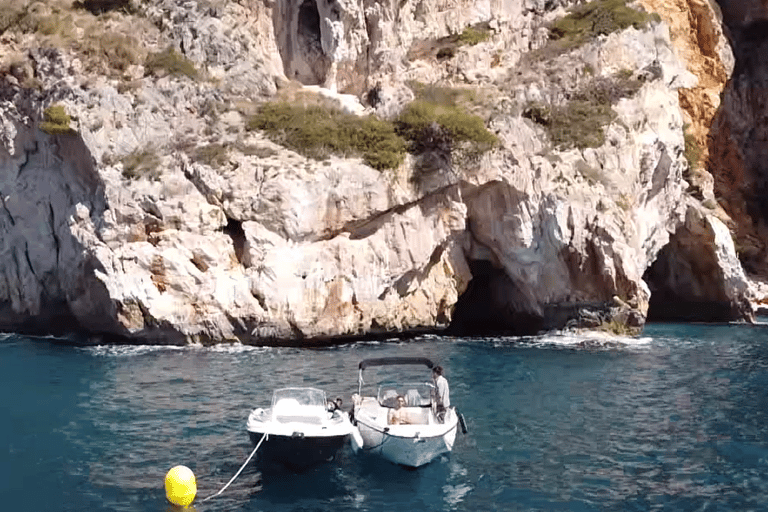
(139, 201)
(740, 131)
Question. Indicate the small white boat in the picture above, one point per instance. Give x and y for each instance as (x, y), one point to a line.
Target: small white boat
(302, 428)
(421, 438)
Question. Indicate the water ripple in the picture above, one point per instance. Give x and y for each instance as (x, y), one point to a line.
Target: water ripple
(675, 420)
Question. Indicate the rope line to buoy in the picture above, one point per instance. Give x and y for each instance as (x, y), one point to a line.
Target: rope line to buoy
(240, 470)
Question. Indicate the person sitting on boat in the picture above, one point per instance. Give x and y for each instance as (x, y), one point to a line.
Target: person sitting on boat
(398, 415)
(442, 393)
(334, 405)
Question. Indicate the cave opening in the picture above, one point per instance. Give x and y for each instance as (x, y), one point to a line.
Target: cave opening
(234, 229)
(309, 21)
(309, 65)
(489, 306)
(55, 318)
(684, 289)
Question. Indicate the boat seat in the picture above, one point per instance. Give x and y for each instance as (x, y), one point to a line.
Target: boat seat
(417, 415)
(389, 398)
(413, 398)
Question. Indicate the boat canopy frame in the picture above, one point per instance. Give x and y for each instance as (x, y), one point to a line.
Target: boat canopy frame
(389, 361)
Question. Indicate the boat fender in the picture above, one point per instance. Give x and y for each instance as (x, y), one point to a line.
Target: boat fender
(357, 440)
(297, 434)
(462, 423)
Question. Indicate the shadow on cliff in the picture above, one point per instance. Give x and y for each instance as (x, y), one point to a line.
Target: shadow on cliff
(738, 141)
(55, 294)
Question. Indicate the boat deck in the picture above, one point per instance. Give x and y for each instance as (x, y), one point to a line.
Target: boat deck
(370, 407)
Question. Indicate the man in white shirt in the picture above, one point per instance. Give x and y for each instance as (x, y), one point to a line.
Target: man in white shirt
(442, 394)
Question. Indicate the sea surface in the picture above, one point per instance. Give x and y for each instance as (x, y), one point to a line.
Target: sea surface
(675, 420)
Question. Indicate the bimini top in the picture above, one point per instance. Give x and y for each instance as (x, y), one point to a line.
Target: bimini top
(386, 361)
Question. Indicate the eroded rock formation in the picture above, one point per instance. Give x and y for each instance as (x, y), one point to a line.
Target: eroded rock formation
(739, 137)
(125, 228)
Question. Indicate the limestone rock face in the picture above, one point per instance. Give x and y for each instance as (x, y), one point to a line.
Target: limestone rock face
(159, 217)
(698, 38)
(740, 132)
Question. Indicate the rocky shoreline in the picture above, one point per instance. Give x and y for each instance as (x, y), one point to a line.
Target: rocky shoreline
(149, 210)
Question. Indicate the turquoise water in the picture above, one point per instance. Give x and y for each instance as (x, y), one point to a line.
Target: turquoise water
(675, 420)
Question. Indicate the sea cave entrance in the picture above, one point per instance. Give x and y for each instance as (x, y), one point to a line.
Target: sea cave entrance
(490, 306)
(686, 283)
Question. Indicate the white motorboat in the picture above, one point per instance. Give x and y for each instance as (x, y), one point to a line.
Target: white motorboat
(302, 428)
(421, 437)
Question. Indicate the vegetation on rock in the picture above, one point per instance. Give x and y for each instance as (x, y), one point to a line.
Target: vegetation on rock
(581, 121)
(213, 155)
(445, 47)
(118, 50)
(11, 14)
(142, 163)
(474, 35)
(56, 121)
(417, 118)
(316, 131)
(100, 48)
(598, 17)
(171, 62)
(445, 108)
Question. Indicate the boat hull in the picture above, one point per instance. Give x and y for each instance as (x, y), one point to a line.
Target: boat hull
(296, 452)
(407, 446)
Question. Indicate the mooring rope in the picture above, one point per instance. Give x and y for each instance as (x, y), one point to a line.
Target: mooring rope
(239, 470)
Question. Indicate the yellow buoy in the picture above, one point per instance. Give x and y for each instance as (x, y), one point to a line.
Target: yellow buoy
(180, 486)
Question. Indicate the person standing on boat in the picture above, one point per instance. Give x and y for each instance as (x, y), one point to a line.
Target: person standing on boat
(442, 394)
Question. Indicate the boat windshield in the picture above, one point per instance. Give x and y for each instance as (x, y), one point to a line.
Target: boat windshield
(416, 395)
(304, 396)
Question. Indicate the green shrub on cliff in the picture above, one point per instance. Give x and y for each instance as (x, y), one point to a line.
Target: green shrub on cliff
(118, 51)
(56, 121)
(578, 123)
(213, 155)
(142, 163)
(471, 36)
(581, 121)
(447, 109)
(11, 14)
(446, 47)
(599, 17)
(171, 62)
(417, 118)
(27, 17)
(317, 131)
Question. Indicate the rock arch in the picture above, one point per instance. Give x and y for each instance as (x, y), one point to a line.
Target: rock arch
(697, 276)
